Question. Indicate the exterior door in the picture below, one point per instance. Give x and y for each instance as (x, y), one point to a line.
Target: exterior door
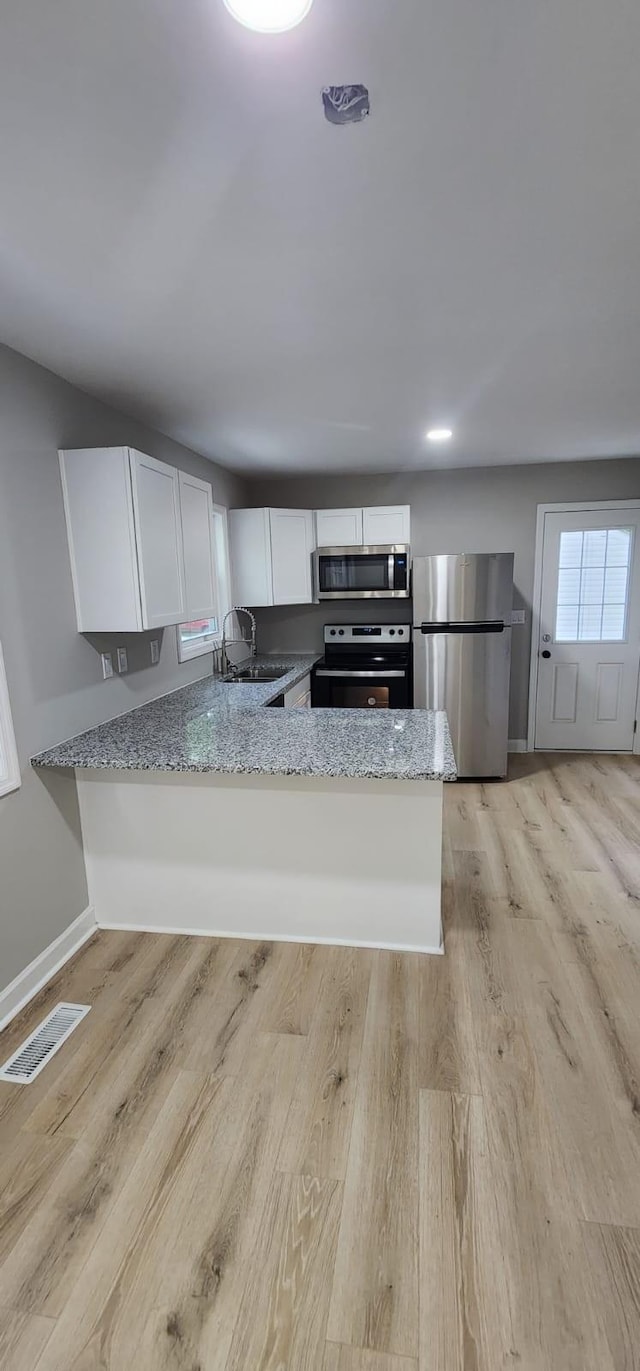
(589, 638)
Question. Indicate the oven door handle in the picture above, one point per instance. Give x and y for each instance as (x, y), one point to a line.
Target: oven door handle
(379, 675)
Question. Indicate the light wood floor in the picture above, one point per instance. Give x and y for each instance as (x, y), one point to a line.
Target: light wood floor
(282, 1158)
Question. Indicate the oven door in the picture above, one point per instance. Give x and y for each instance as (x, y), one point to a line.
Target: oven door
(371, 573)
(355, 688)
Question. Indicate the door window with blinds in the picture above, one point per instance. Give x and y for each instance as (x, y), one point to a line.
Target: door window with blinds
(593, 585)
(9, 769)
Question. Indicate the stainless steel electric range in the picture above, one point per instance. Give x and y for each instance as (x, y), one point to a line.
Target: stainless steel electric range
(365, 666)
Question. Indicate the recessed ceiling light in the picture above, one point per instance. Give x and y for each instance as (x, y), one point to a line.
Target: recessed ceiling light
(269, 16)
(439, 435)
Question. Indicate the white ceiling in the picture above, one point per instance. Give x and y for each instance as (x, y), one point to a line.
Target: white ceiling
(183, 234)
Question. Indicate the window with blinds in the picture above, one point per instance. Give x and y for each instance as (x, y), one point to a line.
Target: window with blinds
(593, 585)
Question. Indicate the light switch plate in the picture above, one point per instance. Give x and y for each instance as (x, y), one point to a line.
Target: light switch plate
(122, 659)
(155, 651)
(107, 665)
(517, 616)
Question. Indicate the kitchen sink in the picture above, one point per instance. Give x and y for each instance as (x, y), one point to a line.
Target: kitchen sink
(253, 675)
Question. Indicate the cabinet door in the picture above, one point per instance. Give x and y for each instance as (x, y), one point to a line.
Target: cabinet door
(156, 504)
(387, 524)
(291, 548)
(250, 550)
(96, 485)
(339, 528)
(299, 696)
(196, 508)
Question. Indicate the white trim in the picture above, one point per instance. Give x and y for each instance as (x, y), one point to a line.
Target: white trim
(261, 937)
(518, 745)
(197, 647)
(27, 983)
(564, 507)
(10, 779)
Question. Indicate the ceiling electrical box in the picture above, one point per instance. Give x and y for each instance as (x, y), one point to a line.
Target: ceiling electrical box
(345, 104)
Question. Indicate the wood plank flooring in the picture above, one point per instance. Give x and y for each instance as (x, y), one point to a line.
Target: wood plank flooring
(267, 1157)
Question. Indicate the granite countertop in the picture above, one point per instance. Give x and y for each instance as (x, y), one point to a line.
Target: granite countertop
(213, 726)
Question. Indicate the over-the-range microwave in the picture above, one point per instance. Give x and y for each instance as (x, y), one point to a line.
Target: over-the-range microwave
(362, 573)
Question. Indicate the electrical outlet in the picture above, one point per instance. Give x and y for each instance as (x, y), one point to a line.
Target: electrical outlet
(122, 659)
(107, 665)
(517, 616)
(155, 651)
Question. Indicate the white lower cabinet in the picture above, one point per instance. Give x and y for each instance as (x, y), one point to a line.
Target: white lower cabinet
(299, 696)
(140, 541)
(271, 556)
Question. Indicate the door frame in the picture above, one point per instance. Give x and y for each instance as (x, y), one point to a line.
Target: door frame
(564, 507)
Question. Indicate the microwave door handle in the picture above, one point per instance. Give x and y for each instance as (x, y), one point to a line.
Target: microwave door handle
(391, 572)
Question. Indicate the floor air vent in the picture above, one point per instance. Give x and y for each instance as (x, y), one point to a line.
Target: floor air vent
(38, 1049)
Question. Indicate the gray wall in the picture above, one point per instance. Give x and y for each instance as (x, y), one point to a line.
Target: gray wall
(54, 674)
(470, 510)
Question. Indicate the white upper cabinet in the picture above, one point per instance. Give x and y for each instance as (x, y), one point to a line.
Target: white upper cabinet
(140, 541)
(196, 509)
(271, 556)
(369, 527)
(291, 548)
(386, 524)
(156, 505)
(339, 528)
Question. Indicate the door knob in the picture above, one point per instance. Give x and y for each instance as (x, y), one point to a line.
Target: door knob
(546, 653)
(546, 637)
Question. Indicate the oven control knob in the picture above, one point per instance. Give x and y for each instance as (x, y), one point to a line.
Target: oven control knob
(392, 632)
(341, 632)
(333, 633)
(401, 631)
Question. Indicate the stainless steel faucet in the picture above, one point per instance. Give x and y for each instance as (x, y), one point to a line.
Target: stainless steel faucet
(229, 642)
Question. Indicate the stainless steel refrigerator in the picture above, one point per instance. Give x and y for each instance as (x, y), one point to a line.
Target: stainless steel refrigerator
(462, 652)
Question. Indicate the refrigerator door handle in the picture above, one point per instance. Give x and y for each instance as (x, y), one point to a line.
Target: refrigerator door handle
(453, 626)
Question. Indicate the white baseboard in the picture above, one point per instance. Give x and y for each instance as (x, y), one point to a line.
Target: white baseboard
(27, 984)
(261, 937)
(517, 745)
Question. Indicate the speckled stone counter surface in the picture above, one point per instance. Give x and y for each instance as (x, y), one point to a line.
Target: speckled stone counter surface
(218, 727)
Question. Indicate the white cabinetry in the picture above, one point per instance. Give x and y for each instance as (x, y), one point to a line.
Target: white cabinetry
(386, 524)
(339, 528)
(156, 507)
(196, 506)
(370, 527)
(299, 696)
(140, 541)
(271, 556)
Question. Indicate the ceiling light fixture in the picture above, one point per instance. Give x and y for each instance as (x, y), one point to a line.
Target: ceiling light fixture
(439, 435)
(269, 16)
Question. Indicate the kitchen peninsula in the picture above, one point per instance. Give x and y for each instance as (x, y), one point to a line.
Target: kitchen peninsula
(207, 812)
